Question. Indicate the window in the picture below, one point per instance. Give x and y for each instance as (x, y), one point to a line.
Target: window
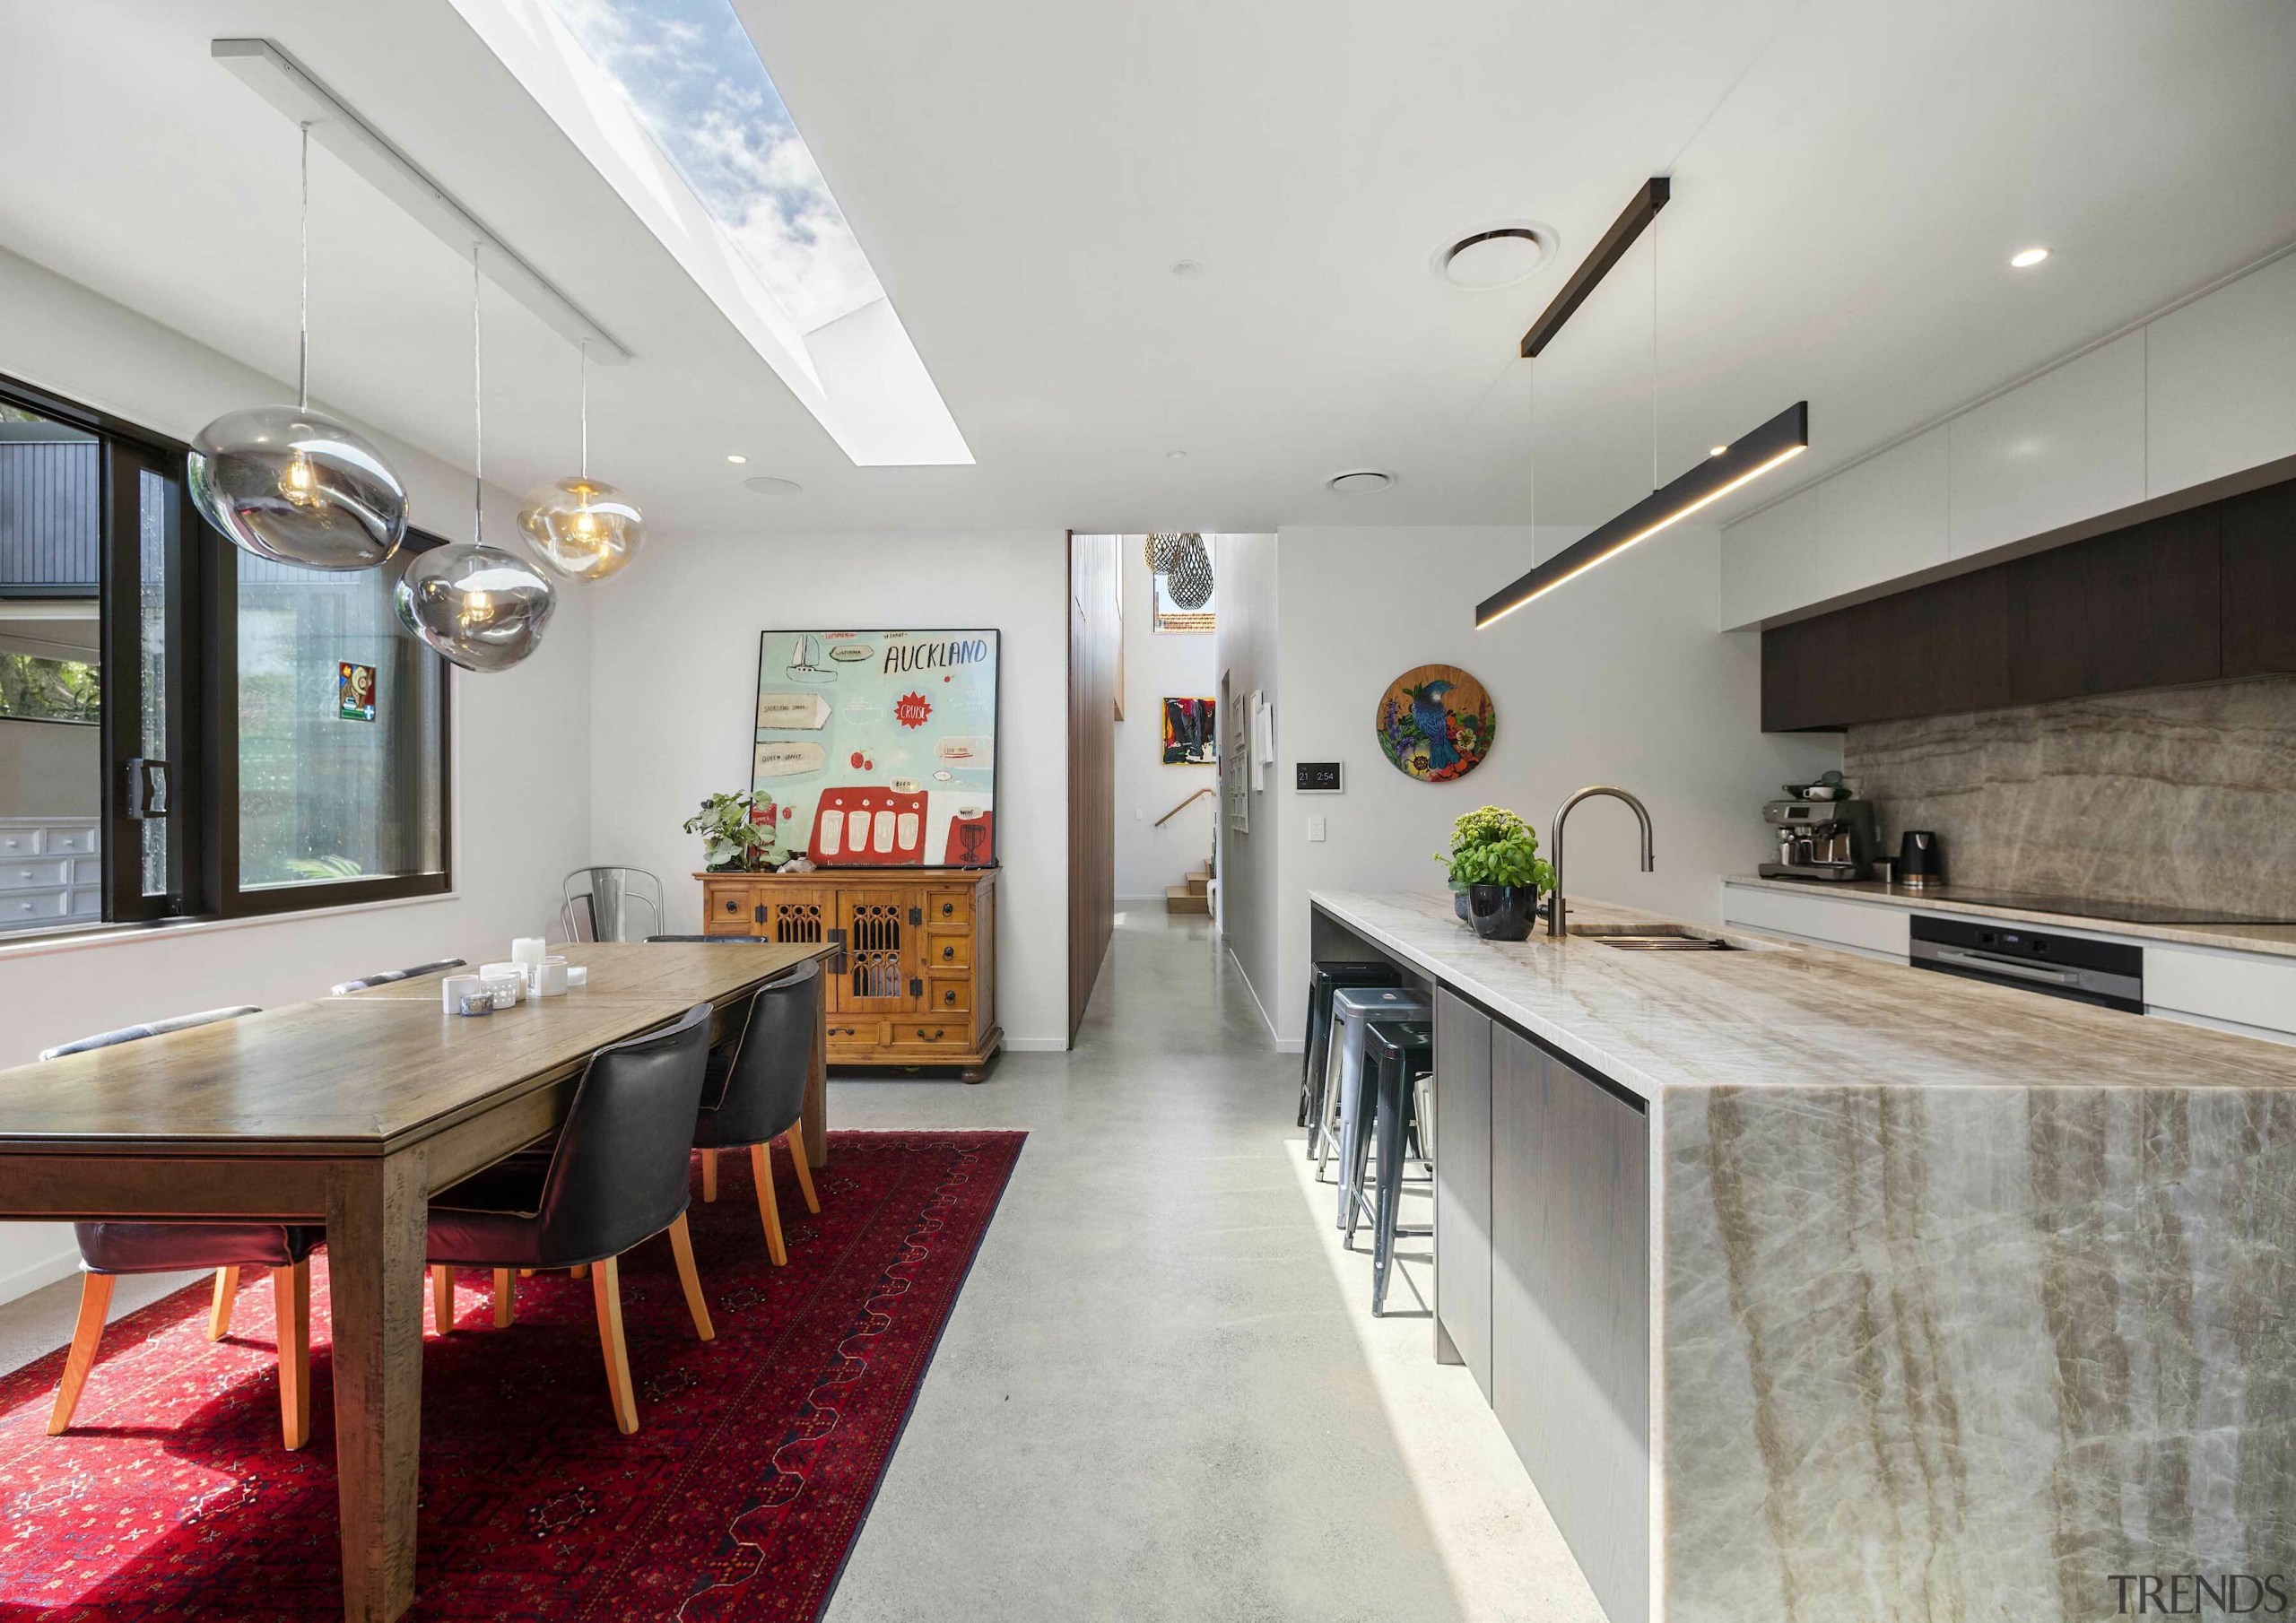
(187, 730)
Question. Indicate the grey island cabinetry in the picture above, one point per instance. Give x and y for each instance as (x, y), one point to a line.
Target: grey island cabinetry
(1809, 1286)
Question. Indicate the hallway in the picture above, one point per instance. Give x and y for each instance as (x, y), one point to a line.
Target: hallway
(1162, 1395)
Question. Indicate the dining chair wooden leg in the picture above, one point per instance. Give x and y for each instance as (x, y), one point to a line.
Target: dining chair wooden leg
(795, 1139)
(95, 1303)
(580, 1270)
(442, 1298)
(767, 1209)
(709, 1174)
(682, 1248)
(506, 1297)
(219, 1317)
(291, 1302)
(605, 1286)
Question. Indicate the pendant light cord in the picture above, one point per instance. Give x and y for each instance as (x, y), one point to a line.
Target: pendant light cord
(583, 367)
(1654, 353)
(303, 313)
(477, 409)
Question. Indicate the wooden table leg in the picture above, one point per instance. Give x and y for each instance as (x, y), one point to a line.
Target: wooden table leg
(817, 1077)
(375, 1213)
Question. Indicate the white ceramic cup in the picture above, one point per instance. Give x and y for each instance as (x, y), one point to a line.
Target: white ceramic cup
(548, 977)
(456, 987)
(527, 949)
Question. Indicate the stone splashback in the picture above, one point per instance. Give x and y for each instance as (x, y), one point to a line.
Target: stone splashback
(2185, 796)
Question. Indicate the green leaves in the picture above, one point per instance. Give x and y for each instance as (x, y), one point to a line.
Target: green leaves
(730, 839)
(1491, 845)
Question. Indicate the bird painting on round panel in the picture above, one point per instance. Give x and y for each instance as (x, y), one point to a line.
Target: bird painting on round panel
(1436, 723)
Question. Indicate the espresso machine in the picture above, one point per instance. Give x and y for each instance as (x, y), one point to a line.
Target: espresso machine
(1821, 839)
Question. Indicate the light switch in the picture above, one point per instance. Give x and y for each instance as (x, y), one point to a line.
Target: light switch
(1314, 828)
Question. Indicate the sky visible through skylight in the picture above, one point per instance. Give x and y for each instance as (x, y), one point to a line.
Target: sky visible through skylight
(688, 68)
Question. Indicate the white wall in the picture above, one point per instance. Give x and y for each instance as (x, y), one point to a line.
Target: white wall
(674, 689)
(1618, 678)
(1149, 858)
(521, 745)
(1250, 901)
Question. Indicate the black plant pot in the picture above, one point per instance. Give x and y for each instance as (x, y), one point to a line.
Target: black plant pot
(1502, 912)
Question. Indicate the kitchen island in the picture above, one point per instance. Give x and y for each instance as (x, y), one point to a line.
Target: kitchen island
(1810, 1287)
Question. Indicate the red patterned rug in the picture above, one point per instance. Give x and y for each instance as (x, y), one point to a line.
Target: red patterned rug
(755, 1461)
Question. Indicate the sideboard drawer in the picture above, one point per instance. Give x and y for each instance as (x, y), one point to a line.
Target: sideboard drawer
(949, 908)
(22, 842)
(948, 947)
(22, 908)
(948, 994)
(922, 1031)
(46, 875)
(80, 841)
(845, 1032)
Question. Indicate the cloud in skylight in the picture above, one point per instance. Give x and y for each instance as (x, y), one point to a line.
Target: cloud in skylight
(689, 70)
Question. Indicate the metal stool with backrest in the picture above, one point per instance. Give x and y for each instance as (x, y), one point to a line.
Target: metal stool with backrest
(615, 1175)
(108, 1250)
(602, 898)
(1347, 1084)
(387, 976)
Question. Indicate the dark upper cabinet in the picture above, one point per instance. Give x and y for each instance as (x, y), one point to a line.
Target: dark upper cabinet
(2260, 582)
(2137, 607)
(2197, 596)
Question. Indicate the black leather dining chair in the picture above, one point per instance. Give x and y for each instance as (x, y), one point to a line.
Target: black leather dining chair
(615, 1175)
(385, 978)
(756, 1094)
(108, 1250)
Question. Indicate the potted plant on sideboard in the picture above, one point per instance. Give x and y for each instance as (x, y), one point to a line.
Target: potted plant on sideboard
(1496, 873)
(733, 839)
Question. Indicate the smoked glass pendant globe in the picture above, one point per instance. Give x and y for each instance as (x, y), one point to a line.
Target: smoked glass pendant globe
(582, 528)
(295, 486)
(478, 607)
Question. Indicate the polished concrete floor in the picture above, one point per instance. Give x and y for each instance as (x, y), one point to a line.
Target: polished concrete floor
(1161, 1395)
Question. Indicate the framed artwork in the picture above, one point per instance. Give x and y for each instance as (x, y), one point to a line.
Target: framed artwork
(354, 692)
(878, 748)
(1436, 723)
(1189, 740)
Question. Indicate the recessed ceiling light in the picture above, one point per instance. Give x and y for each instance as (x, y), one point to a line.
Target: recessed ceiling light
(1358, 481)
(1494, 256)
(765, 484)
(1717, 450)
(2024, 259)
(1187, 267)
(736, 458)
(1176, 456)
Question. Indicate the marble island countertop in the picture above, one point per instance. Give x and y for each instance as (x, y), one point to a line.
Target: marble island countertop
(1778, 1015)
(2278, 940)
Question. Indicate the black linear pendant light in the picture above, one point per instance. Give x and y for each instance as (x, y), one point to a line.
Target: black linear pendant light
(1744, 460)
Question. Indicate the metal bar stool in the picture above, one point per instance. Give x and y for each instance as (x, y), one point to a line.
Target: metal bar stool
(1327, 977)
(1401, 1053)
(1344, 1122)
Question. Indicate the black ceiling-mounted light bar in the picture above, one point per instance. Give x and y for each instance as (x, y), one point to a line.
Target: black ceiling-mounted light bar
(1746, 458)
(1607, 253)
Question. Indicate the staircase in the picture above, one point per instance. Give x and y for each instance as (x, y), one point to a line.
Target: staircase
(1189, 897)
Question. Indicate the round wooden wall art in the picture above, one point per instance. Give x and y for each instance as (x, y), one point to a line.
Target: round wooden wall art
(1436, 723)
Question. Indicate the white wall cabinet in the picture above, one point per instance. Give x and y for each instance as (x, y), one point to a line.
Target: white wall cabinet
(2065, 446)
(2222, 381)
(2203, 392)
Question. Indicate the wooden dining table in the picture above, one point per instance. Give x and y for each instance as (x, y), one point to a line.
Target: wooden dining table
(351, 1111)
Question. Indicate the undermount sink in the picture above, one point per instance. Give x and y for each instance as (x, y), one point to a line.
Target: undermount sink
(1654, 938)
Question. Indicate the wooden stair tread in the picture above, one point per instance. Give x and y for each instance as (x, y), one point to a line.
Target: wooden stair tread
(1184, 899)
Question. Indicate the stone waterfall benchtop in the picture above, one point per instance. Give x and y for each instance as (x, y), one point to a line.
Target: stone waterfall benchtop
(1791, 1015)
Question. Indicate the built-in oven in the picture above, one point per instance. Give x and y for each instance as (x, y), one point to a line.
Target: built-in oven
(2109, 974)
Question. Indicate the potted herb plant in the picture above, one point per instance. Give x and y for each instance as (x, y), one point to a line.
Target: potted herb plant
(1498, 872)
(732, 838)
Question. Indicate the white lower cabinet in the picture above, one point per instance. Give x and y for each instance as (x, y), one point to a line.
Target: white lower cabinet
(49, 873)
(1872, 928)
(2251, 992)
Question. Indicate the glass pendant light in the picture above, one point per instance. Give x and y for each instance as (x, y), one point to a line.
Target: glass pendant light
(582, 528)
(478, 607)
(294, 485)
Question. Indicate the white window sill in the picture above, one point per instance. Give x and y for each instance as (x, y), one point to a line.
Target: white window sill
(163, 930)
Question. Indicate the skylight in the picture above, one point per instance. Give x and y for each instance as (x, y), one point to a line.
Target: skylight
(689, 70)
(669, 101)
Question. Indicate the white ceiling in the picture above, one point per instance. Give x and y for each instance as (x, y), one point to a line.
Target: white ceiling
(1850, 180)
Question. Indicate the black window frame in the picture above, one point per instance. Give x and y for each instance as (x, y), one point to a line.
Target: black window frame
(202, 689)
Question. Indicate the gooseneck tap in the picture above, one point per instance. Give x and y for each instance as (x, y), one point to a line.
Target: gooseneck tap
(1555, 924)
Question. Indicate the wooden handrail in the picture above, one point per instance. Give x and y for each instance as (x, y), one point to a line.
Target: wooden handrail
(1184, 805)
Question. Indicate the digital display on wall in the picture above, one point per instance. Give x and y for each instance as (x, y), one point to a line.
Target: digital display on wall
(878, 748)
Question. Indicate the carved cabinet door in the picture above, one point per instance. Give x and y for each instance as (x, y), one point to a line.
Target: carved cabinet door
(885, 937)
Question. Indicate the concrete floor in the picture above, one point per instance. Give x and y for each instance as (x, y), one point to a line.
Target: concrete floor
(1162, 1395)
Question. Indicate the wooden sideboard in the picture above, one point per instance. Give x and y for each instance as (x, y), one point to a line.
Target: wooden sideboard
(918, 984)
